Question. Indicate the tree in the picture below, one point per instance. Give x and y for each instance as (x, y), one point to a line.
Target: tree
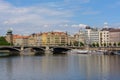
(93, 44)
(119, 44)
(114, 44)
(110, 44)
(81, 44)
(97, 45)
(77, 43)
(104, 44)
(3, 41)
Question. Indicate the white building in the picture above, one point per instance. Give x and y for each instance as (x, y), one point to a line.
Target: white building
(80, 36)
(91, 35)
(104, 38)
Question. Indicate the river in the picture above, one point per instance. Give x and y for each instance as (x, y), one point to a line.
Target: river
(60, 67)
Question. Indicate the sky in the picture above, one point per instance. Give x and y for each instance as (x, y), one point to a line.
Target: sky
(33, 16)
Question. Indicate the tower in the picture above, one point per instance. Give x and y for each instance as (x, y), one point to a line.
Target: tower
(9, 36)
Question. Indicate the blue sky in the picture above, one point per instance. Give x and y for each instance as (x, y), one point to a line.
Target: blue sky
(31, 16)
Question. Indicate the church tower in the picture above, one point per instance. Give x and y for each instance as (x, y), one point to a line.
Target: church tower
(9, 36)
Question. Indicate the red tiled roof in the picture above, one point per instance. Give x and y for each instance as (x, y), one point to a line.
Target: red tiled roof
(19, 37)
(46, 33)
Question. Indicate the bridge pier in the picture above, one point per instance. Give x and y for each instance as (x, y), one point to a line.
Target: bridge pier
(47, 48)
(22, 48)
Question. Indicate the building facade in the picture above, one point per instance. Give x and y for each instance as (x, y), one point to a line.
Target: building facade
(104, 38)
(80, 37)
(35, 39)
(114, 36)
(9, 37)
(19, 40)
(54, 38)
(91, 35)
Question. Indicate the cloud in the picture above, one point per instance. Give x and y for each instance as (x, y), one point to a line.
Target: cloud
(79, 25)
(42, 17)
(35, 14)
(22, 19)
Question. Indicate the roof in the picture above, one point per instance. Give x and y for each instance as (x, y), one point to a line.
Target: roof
(107, 29)
(115, 30)
(20, 37)
(59, 33)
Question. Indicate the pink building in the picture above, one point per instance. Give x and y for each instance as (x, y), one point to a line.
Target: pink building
(114, 36)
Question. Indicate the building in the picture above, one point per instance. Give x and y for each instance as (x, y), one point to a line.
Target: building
(54, 38)
(19, 40)
(71, 40)
(104, 38)
(9, 36)
(91, 35)
(114, 35)
(35, 39)
(79, 37)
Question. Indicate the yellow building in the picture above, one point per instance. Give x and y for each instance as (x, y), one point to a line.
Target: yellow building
(54, 38)
(34, 39)
(44, 39)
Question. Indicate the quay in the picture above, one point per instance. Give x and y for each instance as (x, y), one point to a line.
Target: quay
(105, 48)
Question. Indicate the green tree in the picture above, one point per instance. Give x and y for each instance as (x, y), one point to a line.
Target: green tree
(81, 44)
(114, 44)
(93, 44)
(104, 44)
(119, 44)
(97, 45)
(110, 44)
(3, 41)
(77, 43)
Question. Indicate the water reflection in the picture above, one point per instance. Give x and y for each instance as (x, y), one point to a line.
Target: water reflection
(60, 67)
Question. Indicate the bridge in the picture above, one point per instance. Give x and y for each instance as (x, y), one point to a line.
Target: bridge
(12, 51)
(17, 50)
(38, 50)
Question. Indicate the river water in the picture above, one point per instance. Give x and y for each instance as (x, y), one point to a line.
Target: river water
(60, 67)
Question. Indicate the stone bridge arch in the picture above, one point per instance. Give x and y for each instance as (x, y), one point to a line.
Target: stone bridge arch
(12, 51)
(33, 51)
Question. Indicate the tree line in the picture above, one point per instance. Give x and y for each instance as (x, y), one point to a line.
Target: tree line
(3, 41)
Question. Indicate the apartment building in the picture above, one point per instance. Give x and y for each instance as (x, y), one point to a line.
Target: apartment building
(91, 35)
(19, 40)
(54, 38)
(104, 38)
(35, 39)
(114, 36)
(80, 36)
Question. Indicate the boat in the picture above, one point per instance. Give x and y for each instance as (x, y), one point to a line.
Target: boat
(117, 52)
(77, 51)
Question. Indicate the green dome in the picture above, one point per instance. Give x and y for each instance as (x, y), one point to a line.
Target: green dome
(9, 31)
